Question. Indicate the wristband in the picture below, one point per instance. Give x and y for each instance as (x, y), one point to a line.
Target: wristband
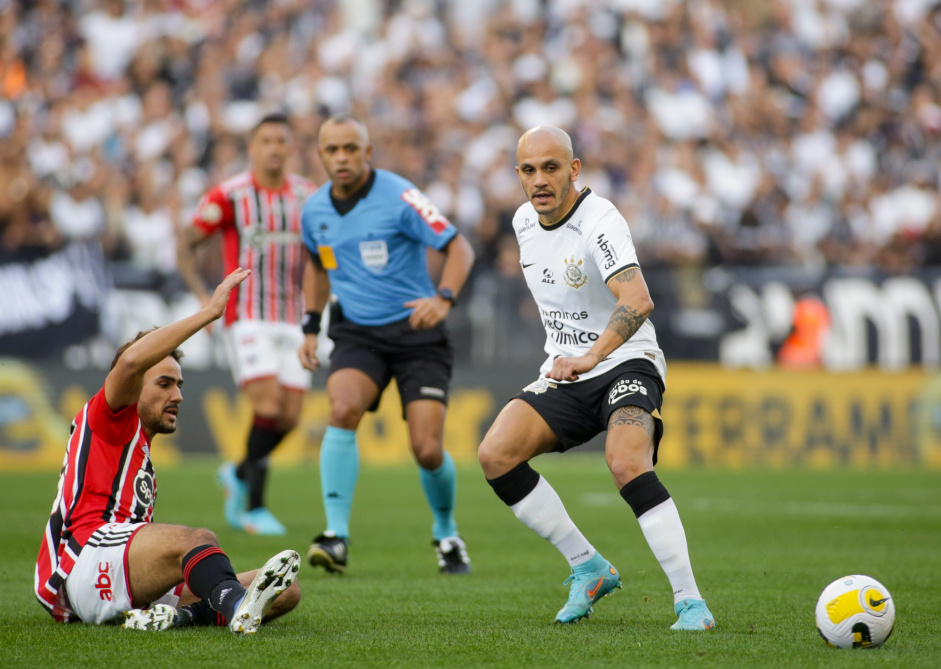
(310, 324)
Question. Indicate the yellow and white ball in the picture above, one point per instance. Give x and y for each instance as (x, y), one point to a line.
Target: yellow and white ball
(855, 612)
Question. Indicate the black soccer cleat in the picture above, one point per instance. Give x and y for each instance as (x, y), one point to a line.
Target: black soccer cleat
(452, 556)
(329, 551)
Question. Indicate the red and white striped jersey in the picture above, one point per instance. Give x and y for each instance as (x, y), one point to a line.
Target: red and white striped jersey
(261, 231)
(107, 477)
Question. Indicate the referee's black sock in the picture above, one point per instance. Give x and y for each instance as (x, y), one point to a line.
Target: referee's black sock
(263, 438)
(209, 574)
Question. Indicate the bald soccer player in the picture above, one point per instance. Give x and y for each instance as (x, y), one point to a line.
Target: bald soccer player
(367, 232)
(604, 372)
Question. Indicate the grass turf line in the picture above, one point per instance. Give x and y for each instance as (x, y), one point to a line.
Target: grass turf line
(763, 544)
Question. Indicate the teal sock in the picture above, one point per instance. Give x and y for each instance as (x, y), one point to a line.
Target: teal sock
(440, 488)
(339, 469)
(594, 564)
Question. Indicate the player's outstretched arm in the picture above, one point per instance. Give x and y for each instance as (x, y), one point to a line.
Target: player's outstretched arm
(125, 381)
(632, 309)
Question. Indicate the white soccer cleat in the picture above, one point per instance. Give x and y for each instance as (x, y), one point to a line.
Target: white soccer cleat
(270, 581)
(157, 618)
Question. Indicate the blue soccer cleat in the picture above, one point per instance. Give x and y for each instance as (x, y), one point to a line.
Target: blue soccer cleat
(692, 616)
(262, 521)
(587, 589)
(236, 494)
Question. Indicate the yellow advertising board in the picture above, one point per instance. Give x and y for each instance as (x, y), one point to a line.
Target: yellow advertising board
(775, 417)
(712, 417)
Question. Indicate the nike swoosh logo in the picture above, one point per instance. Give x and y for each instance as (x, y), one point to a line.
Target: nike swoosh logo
(877, 602)
(591, 593)
(529, 265)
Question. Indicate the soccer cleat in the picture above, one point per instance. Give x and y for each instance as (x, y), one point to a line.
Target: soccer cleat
(692, 615)
(452, 556)
(157, 618)
(270, 581)
(587, 589)
(236, 494)
(329, 551)
(262, 521)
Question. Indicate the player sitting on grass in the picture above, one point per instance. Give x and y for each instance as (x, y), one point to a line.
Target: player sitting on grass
(102, 558)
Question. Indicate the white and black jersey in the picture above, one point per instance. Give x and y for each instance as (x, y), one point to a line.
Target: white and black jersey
(567, 266)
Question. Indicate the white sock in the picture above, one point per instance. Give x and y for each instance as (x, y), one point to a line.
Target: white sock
(542, 511)
(664, 532)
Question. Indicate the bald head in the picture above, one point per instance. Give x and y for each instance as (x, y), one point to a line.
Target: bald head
(345, 151)
(545, 137)
(344, 118)
(547, 170)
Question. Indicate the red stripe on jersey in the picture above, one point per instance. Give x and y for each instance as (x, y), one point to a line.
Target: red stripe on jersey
(106, 476)
(261, 231)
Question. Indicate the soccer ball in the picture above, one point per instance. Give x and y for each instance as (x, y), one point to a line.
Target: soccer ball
(855, 612)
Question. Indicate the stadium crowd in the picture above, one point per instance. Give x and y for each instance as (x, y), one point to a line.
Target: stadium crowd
(790, 132)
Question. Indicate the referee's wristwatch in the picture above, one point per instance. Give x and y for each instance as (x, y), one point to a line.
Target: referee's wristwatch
(448, 295)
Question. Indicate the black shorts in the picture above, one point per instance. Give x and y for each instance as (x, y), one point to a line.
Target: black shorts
(420, 360)
(578, 411)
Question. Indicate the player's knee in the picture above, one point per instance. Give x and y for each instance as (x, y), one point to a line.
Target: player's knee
(429, 452)
(345, 414)
(493, 459)
(628, 464)
(201, 537)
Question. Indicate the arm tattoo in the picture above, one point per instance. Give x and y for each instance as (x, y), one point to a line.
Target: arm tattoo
(632, 416)
(625, 320)
(627, 275)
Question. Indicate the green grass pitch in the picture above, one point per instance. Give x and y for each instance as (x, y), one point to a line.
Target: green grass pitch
(763, 544)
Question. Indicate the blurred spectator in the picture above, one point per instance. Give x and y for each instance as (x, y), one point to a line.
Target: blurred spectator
(791, 132)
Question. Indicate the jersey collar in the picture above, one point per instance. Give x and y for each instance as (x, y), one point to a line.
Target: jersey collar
(280, 189)
(345, 205)
(571, 212)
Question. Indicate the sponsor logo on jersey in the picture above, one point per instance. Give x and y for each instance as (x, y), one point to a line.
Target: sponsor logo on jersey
(574, 276)
(575, 228)
(144, 487)
(574, 337)
(539, 386)
(103, 583)
(625, 388)
(610, 256)
(259, 238)
(527, 225)
(426, 209)
(547, 276)
(374, 254)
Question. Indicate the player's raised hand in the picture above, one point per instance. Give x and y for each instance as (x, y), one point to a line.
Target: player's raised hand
(220, 296)
(307, 352)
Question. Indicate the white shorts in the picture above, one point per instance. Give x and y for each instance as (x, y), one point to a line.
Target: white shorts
(97, 587)
(264, 349)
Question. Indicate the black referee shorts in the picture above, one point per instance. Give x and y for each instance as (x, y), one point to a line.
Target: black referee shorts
(420, 360)
(578, 411)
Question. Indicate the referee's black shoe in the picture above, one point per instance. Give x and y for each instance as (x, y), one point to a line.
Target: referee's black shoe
(329, 551)
(452, 556)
